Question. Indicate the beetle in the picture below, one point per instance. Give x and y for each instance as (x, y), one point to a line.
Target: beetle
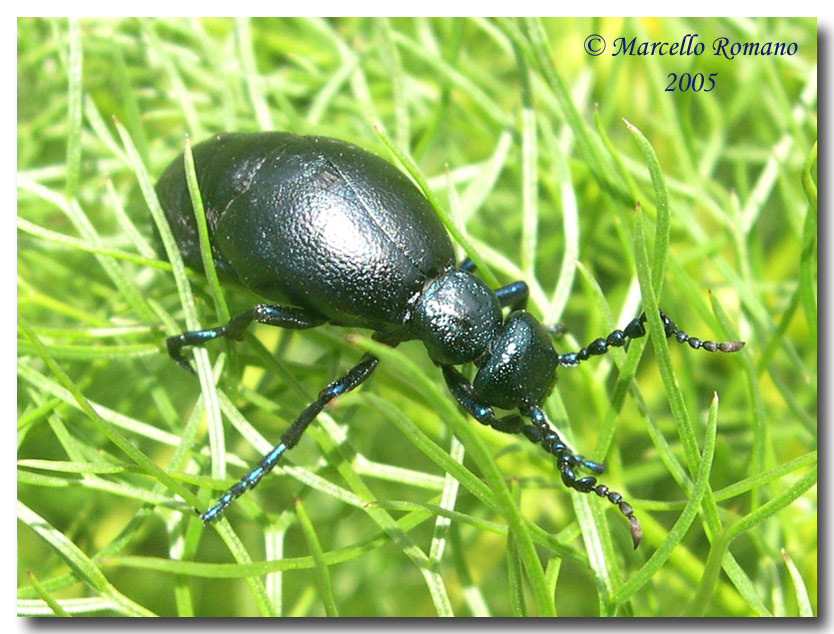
(334, 234)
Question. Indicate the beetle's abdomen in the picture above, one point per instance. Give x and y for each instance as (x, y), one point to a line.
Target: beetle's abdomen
(316, 222)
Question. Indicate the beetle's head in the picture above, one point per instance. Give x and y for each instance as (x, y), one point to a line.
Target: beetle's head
(456, 317)
(520, 369)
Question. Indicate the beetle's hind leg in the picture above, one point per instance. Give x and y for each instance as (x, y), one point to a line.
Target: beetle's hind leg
(351, 380)
(637, 329)
(269, 314)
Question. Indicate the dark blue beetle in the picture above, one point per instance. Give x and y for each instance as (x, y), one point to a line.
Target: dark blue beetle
(340, 236)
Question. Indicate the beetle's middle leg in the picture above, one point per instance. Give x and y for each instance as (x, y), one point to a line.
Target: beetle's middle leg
(514, 294)
(351, 380)
(269, 314)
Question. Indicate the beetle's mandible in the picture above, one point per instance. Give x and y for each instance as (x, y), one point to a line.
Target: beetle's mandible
(334, 234)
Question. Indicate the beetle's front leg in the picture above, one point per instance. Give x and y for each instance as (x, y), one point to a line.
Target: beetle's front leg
(462, 390)
(514, 294)
(282, 316)
(541, 433)
(567, 462)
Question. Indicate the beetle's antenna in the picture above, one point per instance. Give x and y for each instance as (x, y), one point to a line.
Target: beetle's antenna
(635, 330)
(541, 433)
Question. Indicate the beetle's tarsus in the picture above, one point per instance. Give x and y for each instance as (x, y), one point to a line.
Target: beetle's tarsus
(174, 346)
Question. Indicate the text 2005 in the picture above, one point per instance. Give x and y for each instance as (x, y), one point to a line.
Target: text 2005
(685, 81)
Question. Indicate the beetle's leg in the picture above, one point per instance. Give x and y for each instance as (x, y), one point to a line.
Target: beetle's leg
(464, 394)
(352, 379)
(514, 294)
(547, 437)
(542, 434)
(461, 389)
(283, 316)
(636, 329)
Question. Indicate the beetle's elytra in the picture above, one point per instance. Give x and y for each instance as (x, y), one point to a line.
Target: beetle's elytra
(337, 235)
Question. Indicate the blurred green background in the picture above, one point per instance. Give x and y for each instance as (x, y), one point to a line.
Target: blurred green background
(520, 136)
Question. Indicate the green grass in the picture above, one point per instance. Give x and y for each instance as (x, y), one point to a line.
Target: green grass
(395, 503)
